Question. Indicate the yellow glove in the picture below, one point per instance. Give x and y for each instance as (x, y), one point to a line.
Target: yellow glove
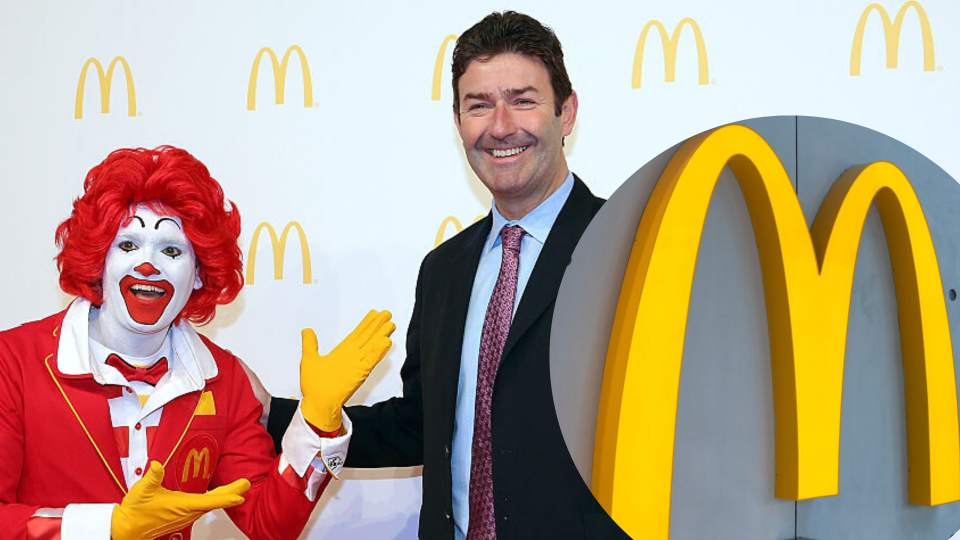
(327, 382)
(149, 510)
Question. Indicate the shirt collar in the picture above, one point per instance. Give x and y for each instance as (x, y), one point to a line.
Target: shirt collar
(74, 358)
(538, 222)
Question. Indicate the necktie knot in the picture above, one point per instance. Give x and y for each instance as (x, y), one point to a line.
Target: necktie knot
(511, 237)
(150, 375)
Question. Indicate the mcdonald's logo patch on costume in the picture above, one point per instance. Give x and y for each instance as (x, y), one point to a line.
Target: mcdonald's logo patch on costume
(195, 462)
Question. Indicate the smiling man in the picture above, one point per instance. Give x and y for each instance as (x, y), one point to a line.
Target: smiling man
(116, 416)
(476, 408)
(512, 123)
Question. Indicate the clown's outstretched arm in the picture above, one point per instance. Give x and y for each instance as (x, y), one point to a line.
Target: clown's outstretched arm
(314, 447)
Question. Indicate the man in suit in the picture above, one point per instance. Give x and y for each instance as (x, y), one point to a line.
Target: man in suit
(97, 400)
(477, 409)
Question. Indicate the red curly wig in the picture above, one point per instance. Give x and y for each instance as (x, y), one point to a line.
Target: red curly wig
(171, 181)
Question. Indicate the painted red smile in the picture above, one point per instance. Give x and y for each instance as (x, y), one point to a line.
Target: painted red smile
(145, 300)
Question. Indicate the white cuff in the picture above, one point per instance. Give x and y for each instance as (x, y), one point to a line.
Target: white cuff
(87, 522)
(301, 444)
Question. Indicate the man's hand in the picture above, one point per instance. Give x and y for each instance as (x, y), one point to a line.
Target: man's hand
(149, 510)
(327, 382)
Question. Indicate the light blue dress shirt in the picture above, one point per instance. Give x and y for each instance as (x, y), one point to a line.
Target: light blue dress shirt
(537, 224)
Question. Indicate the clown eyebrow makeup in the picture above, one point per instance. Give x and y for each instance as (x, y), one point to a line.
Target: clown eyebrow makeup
(130, 220)
(156, 226)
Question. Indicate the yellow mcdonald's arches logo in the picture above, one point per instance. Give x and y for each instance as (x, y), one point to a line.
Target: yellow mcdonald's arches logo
(457, 226)
(196, 459)
(891, 34)
(279, 246)
(670, 44)
(280, 76)
(106, 82)
(438, 67)
(807, 280)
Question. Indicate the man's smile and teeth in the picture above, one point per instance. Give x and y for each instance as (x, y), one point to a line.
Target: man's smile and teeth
(506, 152)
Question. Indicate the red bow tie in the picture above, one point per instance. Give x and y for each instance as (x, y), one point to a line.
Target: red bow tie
(150, 375)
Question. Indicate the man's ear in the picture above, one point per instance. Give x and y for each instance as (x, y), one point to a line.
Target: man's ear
(568, 113)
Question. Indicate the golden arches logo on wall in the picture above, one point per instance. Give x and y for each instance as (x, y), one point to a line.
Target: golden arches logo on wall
(105, 80)
(445, 224)
(807, 280)
(280, 76)
(438, 67)
(891, 34)
(197, 459)
(279, 247)
(670, 45)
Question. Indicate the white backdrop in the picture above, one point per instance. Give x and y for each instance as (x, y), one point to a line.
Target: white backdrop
(373, 166)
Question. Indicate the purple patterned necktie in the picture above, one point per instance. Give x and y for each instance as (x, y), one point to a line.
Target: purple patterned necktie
(496, 326)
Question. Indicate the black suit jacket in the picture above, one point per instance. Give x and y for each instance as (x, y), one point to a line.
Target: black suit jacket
(538, 492)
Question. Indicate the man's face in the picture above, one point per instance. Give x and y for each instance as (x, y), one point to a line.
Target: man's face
(149, 274)
(509, 127)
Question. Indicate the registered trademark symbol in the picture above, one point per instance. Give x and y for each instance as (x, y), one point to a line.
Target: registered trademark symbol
(315, 282)
(939, 68)
(139, 113)
(713, 81)
(316, 105)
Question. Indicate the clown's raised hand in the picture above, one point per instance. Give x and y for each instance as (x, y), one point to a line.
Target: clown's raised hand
(327, 382)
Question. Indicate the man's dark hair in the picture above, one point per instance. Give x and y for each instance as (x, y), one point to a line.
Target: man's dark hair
(511, 32)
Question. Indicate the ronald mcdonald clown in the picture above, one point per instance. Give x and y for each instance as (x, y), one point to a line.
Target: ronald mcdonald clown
(117, 417)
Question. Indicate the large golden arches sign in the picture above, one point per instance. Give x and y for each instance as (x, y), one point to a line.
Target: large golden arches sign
(807, 279)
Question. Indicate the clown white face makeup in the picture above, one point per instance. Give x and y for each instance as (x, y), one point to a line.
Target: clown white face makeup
(148, 276)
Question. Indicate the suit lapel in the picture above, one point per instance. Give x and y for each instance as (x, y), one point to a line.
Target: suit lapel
(461, 272)
(544, 283)
(88, 402)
